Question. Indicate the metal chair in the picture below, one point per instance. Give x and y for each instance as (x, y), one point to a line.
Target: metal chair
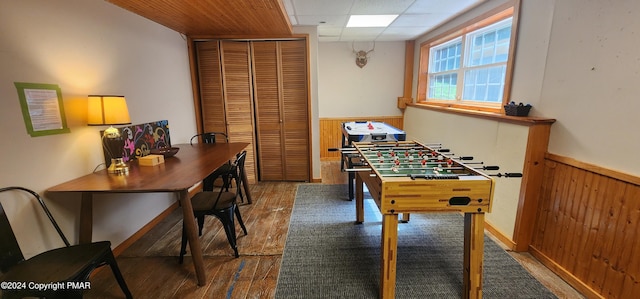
(221, 204)
(210, 137)
(65, 269)
(207, 183)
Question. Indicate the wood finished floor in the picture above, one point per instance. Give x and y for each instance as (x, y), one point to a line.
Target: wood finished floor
(150, 266)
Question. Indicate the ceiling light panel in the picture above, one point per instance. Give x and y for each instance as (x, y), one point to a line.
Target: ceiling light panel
(370, 20)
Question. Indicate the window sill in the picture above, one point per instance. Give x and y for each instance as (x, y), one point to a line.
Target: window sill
(521, 120)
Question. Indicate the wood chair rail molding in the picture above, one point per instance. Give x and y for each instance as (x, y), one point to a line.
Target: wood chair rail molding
(520, 120)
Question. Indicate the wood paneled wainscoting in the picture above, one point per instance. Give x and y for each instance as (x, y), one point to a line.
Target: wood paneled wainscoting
(587, 227)
(331, 132)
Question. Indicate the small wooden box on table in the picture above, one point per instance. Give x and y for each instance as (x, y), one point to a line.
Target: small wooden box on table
(423, 184)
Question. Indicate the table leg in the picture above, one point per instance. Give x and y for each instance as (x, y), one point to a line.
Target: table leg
(86, 218)
(405, 217)
(389, 254)
(359, 200)
(473, 255)
(192, 235)
(245, 182)
(350, 180)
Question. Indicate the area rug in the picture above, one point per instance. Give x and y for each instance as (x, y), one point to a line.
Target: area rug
(328, 256)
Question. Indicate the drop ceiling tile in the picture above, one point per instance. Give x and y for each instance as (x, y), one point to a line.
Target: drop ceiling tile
(324, 7)
(438, 6)
(380, 7)
(419, 20)
(330, 20)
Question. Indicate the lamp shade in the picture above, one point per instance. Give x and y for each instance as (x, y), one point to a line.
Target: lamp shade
(107, 110)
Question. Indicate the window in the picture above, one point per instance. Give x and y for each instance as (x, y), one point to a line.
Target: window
(469, 68)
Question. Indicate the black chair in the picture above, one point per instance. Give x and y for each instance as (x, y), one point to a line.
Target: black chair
(207, 183)
(210, 137)
(68, 267)
(221, 204)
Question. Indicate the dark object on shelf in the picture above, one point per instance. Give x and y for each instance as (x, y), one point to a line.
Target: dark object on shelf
(165, 151)
(517, 110)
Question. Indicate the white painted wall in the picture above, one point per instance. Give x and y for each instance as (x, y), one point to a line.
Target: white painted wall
(86, 47)
(575, 62)
(346, 90)
(312, 32)
(591, 83)
(494, 143)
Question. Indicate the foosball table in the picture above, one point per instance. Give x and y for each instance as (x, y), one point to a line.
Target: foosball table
(410, 177)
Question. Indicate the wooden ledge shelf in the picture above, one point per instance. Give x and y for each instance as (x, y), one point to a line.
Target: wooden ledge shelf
(522, 120)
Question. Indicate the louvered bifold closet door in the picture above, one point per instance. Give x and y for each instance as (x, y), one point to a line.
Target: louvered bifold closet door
(210, 76)
(238, 95)
(296, 109)
(268, 110)
(281, 103)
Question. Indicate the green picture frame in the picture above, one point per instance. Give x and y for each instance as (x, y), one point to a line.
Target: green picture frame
(42, 108)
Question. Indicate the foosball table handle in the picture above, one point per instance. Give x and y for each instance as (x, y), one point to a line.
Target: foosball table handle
(508, 175)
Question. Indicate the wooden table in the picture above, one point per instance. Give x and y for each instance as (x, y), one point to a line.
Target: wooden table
(178, 174)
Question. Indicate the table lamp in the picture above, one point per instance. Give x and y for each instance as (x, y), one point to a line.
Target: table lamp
(110, 110)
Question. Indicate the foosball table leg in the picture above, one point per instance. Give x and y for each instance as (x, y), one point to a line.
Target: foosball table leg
(473, 255)
(405, 217)
(389, 254)
(359, 199)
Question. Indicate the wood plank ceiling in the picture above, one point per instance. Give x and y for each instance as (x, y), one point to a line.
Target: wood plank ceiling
(215, 17)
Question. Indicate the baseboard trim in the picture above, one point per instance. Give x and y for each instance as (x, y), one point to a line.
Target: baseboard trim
(500, 236)
(567, 276)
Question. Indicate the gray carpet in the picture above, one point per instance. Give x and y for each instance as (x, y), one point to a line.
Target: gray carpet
(328, 256)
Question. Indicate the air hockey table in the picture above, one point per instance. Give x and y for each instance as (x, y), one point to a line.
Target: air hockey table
(365, 131)
(372, 131)
(411, 177)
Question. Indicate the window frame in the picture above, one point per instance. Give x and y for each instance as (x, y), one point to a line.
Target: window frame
(491, 17)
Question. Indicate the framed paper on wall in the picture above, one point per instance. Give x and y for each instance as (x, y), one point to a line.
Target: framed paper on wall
(42, 108)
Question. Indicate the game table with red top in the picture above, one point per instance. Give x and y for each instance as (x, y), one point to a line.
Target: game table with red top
(410, 177)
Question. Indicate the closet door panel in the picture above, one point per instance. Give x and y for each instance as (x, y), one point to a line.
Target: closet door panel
(268, 109)
(295, 109)
(236, 73)
(210, 76)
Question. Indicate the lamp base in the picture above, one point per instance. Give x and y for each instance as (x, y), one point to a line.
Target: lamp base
(118, 167)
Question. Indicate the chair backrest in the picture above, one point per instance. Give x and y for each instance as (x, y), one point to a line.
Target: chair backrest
(238, 171)
(209, 137)
(235, 173)
(10, 253)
